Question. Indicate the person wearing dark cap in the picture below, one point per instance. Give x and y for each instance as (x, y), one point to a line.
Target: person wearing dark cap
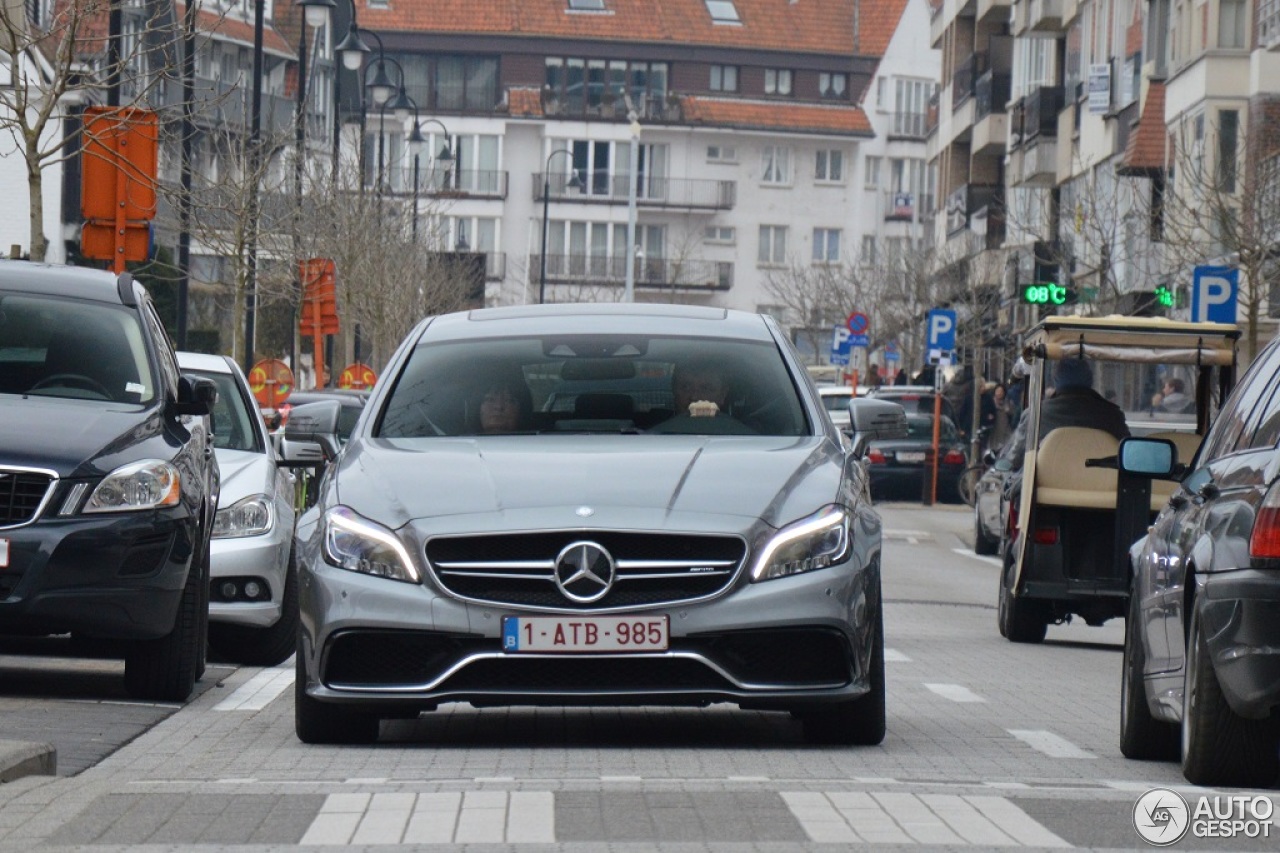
(1075, 403)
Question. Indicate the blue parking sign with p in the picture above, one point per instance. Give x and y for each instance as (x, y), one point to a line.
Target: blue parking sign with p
(942, 329)
(1214, 293)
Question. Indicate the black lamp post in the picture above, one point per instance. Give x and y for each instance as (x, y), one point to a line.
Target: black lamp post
(546, 201)
(352, 51)
(381, 90)
(416, 142)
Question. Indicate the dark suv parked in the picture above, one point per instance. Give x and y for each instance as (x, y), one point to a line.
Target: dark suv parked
(108, 482)
(1202, 641)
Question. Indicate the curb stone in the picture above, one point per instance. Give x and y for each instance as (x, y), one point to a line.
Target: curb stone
(21, 758)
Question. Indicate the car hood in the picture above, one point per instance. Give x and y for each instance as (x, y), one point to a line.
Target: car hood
(71, 437)
(644, 481)
(243, 473)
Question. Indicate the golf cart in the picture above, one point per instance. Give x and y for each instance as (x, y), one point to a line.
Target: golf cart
(1065, 546)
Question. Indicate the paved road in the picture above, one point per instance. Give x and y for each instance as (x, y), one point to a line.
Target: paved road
(990, 744)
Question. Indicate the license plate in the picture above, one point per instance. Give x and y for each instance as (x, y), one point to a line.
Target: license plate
(4, 553)
(911, 456)
(584, 634)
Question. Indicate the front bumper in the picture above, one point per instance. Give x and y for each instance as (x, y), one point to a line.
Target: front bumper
(115, 576)
(1240, 612)
(265, 557)
(783, 643)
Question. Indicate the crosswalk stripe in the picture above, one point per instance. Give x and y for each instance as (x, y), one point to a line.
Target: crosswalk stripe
(955, 692)
(902, 818)
(259, 691)
(1050, 744)
(994, 561)
(895, 656)
(482, 817)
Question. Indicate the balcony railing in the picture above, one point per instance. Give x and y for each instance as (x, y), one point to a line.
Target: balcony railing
(991, 94)
(906, 206)
(966, 201)
(683, 274)
(227, 104)
(603, 187)
(447, 183)
(910, 125)
(1269, 24)
(655, 108)
(931, 114)
(1040, 111)
(966, 77)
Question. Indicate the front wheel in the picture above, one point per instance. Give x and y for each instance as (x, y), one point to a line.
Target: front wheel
(856, 722)
(1220, 747)
(983, 544)
(1142, 736)
(165, 669)
(967, 485)
(322, 722)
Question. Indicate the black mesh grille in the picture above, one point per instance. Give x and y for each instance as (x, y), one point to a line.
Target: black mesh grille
(147, 555)
(586, 675)
(792, 657)
(20, 495)
(391, 658)
(635, 586)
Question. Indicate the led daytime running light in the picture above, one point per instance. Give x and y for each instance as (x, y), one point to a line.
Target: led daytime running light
(339, 521)
(828, 521)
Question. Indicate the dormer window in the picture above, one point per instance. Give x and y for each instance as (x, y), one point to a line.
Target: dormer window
(723, 12)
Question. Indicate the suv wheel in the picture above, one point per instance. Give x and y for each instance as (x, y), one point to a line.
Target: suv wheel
(856, 722)
(165, 669)
(253, 646)
(323, 722)
(1142, 736)
(1219, 747)
(1021, 620)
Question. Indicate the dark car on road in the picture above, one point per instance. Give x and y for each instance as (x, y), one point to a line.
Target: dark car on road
(900, 468)
(624, 547)
(1201, 675)
(108, 482)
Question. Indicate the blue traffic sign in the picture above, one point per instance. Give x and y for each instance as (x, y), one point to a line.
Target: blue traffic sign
(840, 344)
(942, 329)
(1214, 294)
(891, 352)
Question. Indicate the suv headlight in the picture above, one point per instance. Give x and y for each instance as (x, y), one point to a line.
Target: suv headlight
(148, 484)
(357, 544)
(815, 542)
(251, 516)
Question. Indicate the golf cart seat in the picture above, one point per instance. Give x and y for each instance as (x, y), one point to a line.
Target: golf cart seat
(1061, 476)
(1187, 443)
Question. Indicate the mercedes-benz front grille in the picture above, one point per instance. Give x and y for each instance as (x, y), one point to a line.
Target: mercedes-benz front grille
(519, 569)
(21, 495)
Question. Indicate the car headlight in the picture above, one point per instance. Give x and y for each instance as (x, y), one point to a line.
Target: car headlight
(815, 542)
(148, 484)
(251, 516)
(360, 545)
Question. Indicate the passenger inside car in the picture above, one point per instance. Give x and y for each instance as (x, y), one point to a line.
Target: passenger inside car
(505, 405)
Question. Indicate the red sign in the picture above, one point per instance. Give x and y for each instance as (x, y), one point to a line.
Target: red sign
(858, 323)
(271, 382)
(358, 376)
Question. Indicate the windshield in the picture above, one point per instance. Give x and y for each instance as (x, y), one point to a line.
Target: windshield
(69, 348)
(837, 402)
(604, 383)
(1153, 397)
(921, 426)
(232, 418)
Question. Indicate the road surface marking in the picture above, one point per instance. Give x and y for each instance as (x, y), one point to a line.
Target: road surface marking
(895, 656)
(994, 561)
(1050, 744)
(473, 817)
(955, 693)
(854, 817)
(258, 692)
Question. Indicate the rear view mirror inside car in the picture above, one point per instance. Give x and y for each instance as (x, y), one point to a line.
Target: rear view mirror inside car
(1152, 457)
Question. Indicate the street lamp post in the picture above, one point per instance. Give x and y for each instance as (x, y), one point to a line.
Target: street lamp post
(255, 134)
(416, 142)
(546, 202)
(629, 289)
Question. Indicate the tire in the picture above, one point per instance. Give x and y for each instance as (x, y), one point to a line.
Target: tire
(166, 669)
(1142, 736)
(967, 483)
(269, 646)
(856, 722)
(982, 543)
(1021, 621)
(1218, 746)
(321, 722)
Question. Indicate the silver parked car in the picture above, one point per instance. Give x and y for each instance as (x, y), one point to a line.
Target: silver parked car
(253, 594)
(689, 528)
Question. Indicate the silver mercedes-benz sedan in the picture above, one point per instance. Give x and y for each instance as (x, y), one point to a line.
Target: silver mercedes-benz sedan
(589, 505)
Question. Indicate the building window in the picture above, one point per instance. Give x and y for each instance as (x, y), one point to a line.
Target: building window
(1228, 139)
(829, 165)
(868, 255)
(450, 82)
(776, 165)
(724, 78)
(911, 106)
(777, 81)
(723, 234)
(773, 245)
(1232, 23)
(577, 86)
(833, 85)
(723, 12)
(826, 245)
(872, 177)
(586, 5)
(722, 154)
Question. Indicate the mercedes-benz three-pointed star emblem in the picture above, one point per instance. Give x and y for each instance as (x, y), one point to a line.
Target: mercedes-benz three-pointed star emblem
(584, 572)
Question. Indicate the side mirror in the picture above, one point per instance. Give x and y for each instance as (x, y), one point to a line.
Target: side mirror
(989, 458)
(877, 420)
(311, 434)
(196, 395)
(1148, 457)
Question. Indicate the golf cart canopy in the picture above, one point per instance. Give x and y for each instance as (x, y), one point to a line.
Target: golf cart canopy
(1155, 340)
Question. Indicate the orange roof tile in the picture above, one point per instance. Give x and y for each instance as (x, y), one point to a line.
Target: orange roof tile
(1146, 152)
(796, 26)
(773, 115)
